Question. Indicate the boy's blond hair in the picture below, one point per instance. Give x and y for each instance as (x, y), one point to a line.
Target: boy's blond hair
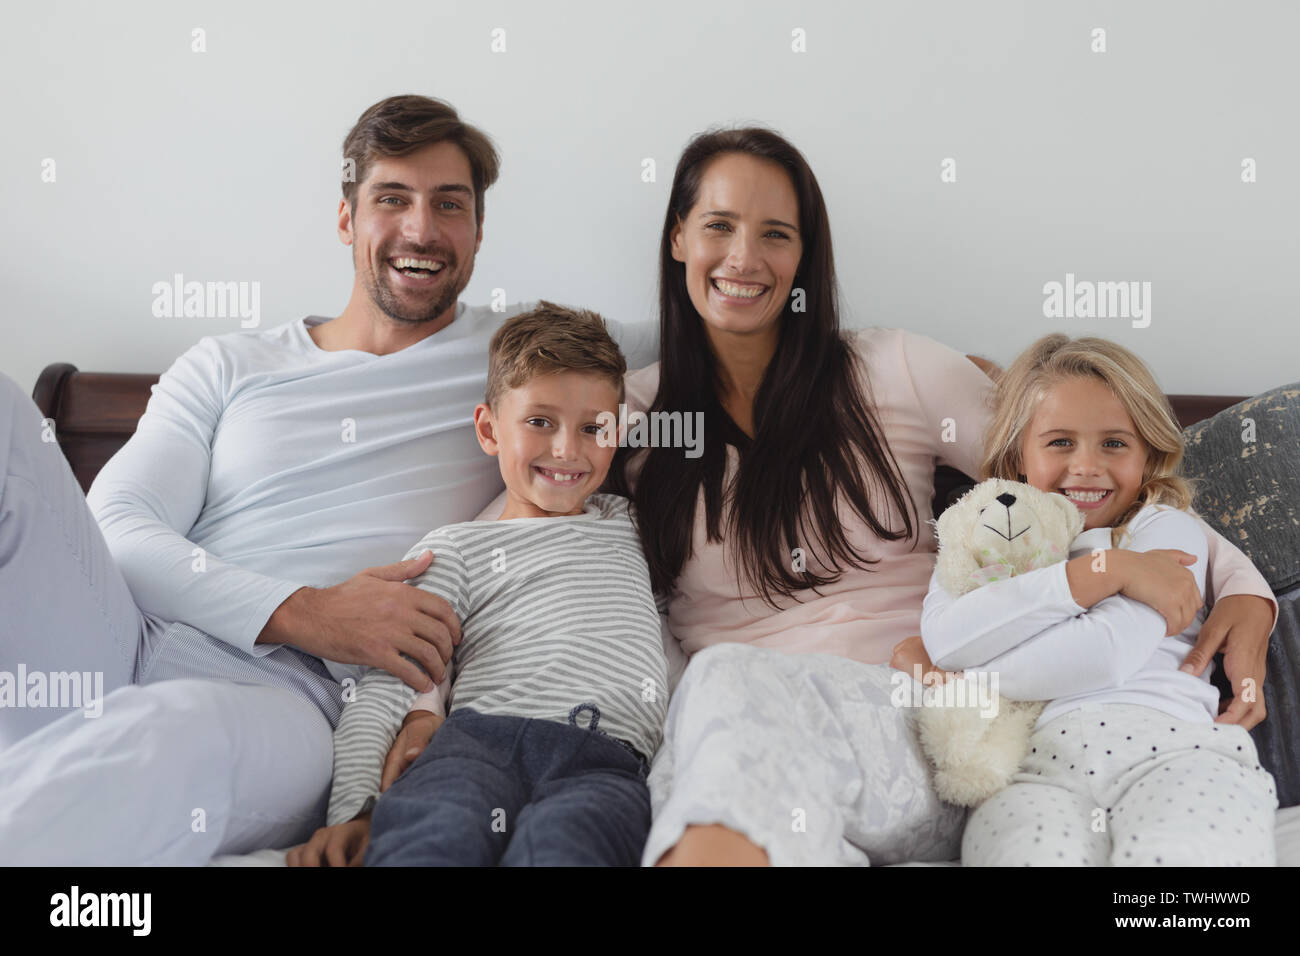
(1056, 357)
(551, 338)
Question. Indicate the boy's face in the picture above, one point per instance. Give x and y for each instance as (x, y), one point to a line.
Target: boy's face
(545, 433)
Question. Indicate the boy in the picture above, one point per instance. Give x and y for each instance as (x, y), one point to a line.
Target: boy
(557, 619)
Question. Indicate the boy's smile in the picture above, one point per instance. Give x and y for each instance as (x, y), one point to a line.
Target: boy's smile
(545, 433)
(1081, 443)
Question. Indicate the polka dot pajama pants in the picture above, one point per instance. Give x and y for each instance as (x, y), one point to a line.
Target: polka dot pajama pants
(1123, 785)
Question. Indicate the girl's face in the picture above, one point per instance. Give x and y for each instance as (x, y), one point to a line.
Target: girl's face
(740, 244)
(1081, 443)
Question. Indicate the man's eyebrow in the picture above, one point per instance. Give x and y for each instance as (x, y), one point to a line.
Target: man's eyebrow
(727, 214)
(402, 187)
(1070, 431)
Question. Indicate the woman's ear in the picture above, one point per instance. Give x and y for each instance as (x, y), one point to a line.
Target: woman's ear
(675, 242)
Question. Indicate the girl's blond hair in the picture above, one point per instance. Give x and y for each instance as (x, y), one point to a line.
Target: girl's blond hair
(1054, 358)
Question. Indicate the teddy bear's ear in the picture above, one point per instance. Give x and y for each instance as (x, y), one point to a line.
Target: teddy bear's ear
(956, 562)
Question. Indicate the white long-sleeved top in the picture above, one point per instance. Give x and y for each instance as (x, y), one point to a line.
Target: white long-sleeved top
(1029, 630)
(264, 463)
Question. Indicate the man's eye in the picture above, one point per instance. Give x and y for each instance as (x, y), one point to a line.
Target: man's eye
(450, 202)
(385, 199)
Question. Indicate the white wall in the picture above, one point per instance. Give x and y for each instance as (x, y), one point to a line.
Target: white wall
(223, 165)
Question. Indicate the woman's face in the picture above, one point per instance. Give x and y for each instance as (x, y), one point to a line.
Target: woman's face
(740, 244)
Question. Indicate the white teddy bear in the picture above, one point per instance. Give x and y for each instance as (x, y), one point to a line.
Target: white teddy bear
(996, 530)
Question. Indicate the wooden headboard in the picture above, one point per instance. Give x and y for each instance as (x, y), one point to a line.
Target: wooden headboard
(95, 413)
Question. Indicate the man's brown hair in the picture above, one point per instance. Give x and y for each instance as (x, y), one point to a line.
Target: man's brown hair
(401, 125)
(551, 338)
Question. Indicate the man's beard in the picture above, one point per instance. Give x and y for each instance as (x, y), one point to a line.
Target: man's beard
(389, 302)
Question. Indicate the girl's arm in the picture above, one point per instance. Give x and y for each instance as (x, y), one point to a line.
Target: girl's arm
(1109, 643)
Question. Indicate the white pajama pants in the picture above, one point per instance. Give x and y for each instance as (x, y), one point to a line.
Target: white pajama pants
(804, 754)
(1123, 785)
(170, 773)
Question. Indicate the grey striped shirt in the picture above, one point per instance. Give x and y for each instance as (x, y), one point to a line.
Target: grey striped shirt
(554, 612)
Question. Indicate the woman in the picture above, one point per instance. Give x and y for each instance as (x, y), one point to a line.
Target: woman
(795, 550)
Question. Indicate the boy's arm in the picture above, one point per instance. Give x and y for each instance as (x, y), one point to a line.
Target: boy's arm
(435, 701)
(365, 733)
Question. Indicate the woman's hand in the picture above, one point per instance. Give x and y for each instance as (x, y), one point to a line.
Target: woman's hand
(910, 653)
(1240, 623)
(1160, 579)
(416, 732)
(343, 844)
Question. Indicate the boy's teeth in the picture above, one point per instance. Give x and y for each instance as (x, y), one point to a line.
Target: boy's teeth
(739, 291)
(559, 477)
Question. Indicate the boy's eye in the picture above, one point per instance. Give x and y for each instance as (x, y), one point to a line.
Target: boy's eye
(592, 429)
(538, 422)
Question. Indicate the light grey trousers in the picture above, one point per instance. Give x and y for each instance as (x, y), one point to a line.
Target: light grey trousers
(805, 754)
(171, 773)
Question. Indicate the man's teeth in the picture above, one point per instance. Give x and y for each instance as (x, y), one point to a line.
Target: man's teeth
(739, 291)
(424, 265)
(1089, 496)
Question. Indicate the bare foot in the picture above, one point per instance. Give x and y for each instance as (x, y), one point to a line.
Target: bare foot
(714, 845)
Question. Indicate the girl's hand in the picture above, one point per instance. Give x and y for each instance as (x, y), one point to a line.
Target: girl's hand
(414, 736)
(343, 844)
(1160, 580)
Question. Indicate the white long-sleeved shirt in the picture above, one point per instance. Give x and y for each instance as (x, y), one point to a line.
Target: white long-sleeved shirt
(264, 463)
(1029, 630)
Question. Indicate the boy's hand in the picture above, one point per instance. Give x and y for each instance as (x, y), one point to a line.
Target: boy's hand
(343, 844)
(372, 618)
(416, 732)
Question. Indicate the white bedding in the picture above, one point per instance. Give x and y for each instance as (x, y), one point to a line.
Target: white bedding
(1288, 847)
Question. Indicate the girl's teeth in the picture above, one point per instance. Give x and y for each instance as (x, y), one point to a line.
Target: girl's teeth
(1086, 496)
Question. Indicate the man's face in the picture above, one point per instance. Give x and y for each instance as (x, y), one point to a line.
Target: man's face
(413, 233)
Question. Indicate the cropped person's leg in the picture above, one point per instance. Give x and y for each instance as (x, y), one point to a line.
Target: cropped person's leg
(595, 810)
(458, 803)
(66, 615)
(1034, 824)
(171, 774)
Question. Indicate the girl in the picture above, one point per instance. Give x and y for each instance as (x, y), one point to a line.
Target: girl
(1126, 765)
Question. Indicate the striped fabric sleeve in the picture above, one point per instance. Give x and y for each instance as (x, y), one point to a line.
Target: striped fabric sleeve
(365, 733)
(370, 722)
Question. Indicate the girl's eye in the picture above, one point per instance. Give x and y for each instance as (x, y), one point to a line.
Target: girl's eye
(1119, 442)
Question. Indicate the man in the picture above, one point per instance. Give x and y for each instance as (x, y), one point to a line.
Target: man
(269, 467)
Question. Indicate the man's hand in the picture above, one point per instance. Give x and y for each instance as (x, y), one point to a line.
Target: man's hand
(343, 844)
(1241, 624)
(417, 730)
(372, 619)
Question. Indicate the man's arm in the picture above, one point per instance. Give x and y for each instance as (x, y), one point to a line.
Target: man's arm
(148, 497)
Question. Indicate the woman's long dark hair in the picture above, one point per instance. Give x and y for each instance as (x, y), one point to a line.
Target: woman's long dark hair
(813, 426)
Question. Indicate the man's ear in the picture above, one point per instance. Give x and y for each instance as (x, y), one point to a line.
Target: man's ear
(485, 429)
(345, 222)
(479, 240)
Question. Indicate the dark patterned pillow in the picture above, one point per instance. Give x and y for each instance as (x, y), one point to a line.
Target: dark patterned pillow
(1247, 462)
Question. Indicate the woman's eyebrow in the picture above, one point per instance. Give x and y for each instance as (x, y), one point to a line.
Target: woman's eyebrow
(726, 214)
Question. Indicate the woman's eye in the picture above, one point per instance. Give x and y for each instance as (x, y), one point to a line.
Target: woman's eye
(723, 225)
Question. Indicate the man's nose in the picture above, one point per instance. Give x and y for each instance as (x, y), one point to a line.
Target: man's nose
(420, 224)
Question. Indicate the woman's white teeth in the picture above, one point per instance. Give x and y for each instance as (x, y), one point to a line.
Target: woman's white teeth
(739, 291)
(1087, 496)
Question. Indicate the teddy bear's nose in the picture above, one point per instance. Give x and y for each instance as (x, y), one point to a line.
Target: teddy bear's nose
(1006, 498)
